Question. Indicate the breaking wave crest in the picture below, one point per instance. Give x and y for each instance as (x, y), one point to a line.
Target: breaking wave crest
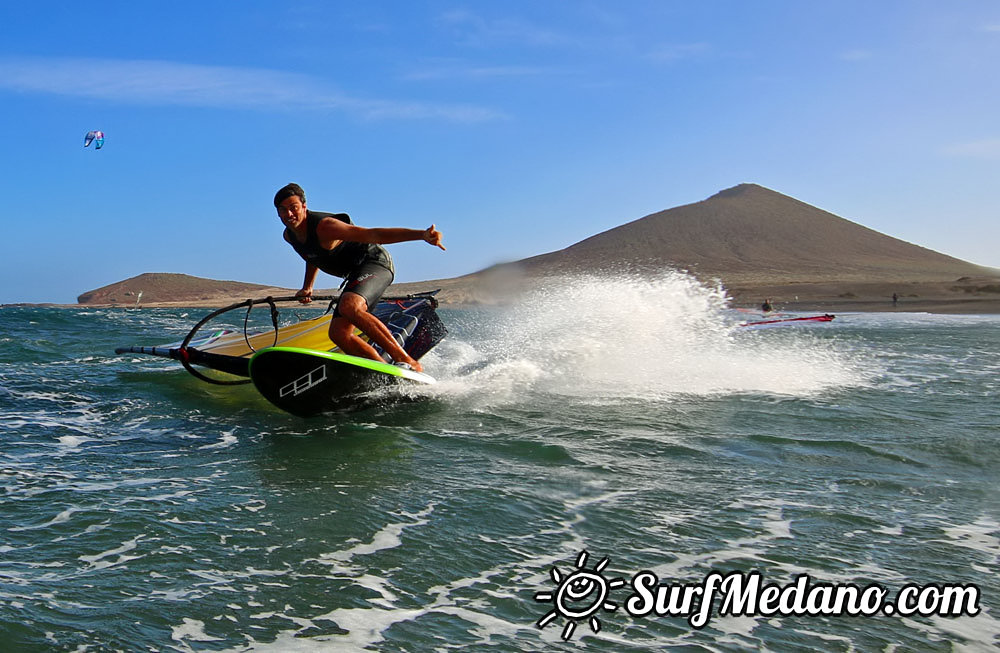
(626, 337)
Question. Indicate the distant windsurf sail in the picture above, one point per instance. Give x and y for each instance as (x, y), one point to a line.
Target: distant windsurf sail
(788, 321)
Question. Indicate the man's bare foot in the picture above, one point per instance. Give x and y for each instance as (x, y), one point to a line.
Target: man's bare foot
(414, 365)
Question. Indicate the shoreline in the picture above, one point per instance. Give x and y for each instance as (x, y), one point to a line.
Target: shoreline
(984, 306)
(936, 307)
(962, 296)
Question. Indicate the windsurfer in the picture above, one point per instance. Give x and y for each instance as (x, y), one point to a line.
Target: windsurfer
(331, 243)
(766, 306)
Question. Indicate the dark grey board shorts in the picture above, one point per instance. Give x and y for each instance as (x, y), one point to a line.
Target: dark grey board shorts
(369, 280)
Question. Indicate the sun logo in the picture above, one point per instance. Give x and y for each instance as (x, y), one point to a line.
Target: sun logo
(579, 596)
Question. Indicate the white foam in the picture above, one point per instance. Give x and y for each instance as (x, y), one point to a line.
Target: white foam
(73, 441)
(226, 440)
(980, 536)
(99, 560)
(981, 631)
(191, 630)
(889, 530)
(61, 518)
(594, 338)
(388, 537)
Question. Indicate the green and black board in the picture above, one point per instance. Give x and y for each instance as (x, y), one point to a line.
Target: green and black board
(307, 382)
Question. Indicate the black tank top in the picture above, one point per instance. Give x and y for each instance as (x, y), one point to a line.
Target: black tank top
(342, 259)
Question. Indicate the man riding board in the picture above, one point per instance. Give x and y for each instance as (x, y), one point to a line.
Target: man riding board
(331, 243)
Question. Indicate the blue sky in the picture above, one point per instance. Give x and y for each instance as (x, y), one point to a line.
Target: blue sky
(516, 127)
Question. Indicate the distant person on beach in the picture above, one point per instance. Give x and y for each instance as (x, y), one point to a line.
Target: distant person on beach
(331, 243)
(895, 298)
(766, 306)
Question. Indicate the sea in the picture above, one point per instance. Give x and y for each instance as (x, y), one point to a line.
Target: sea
(604, 464)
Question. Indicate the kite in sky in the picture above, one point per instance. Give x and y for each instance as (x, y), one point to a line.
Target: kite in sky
(96, 136)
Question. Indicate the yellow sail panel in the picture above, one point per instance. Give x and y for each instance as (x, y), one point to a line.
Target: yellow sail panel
(307, 334)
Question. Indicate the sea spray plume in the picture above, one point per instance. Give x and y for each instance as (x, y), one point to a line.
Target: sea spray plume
(624, 337)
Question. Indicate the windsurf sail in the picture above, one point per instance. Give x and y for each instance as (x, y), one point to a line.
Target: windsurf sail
(412, 320)
(788, 321)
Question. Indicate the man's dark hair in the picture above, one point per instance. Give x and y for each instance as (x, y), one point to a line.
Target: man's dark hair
(287, 191)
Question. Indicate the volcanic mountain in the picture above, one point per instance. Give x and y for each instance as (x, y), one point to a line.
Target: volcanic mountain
(749, 233)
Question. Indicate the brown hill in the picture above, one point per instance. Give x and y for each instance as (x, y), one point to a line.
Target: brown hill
(169, 288)
(750, 234)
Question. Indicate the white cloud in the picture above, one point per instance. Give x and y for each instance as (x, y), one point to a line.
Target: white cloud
(985, 149)
(172, 83)
(472, 29)
(676, 51)
(855, 55)
(446, 70)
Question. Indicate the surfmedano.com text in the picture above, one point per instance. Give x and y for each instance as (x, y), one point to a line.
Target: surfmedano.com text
(746, 594)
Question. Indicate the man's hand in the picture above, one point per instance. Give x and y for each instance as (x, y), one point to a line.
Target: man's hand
(433, 236)
(305, 295)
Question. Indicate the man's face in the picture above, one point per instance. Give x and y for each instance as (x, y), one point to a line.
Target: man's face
(292, 211)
